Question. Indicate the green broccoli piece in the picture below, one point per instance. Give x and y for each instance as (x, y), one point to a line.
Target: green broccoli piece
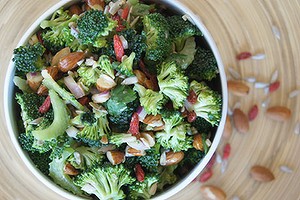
(176, 139)
(151, 100)
(105, 181)
(57, 34)
(56, 172)
(60, 122)
(93, 26)
(191, 158)
(181, 30)
(29, 58)
(22, 84)
(105, 65)
(150, 161)
(158, 37)
(41, 161)
(121, 138)
(121, 105)
(173, 83)
(204, 66)
(50, 83)
(171, 118)
(95, 126)
(167, 177)
(85, 157)
(126, 67)
(202, 125)
(145, 189)
(209, 103)
(88, 75)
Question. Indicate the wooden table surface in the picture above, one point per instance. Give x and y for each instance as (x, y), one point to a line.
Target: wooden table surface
(236, 26)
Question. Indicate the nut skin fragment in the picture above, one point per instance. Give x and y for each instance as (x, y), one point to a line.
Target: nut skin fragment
(240, 120)
(279, 113)
(238, 88)
(261, 174)
(210, 192)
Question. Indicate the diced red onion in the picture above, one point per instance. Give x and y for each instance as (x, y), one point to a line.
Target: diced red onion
(115, 6)
(90, 61)
(130, 80)
(74, 87)
(124, 42)
(72, 131)
(188, 105)
(80, 62)
(141, 113)
(101, 97)
(163, 159)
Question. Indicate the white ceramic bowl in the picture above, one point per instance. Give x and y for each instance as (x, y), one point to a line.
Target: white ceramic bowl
(10, 105)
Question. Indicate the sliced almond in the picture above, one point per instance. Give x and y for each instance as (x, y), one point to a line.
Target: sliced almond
(134, 152)
(147, 138)
(173, 158)
(69, 61)
(104, 139)
(59, 55)
(143, 80)
(53, 72)
(75, 10)
(210, 192)
(42, 90)
(198, 142)
(105, 83)
(261, 174)
(70, 170)
(227, 128)
(96, 4)
(238, 88)
(115, 157)
(34, 80)
(241, 122)
(279, 113)
(153, 120)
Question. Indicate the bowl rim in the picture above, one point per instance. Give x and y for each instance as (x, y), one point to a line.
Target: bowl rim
(11, 124)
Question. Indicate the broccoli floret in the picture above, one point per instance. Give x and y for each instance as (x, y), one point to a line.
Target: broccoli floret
(41, 161)
(22, 84)
(57, 34)
(186, 56)
(181, 30)
(173, 83)
(126, 67)
(29, 58)
(204, 66)
(150, 161)
(56, 172)
(105, 181)
(85, 157)
(121, 138)
(151, 100)
(145, 189)
(192, 157)
(209, 103)
(171, 118)
(95, 126)
(167, 177)
(136, 43)
(120, 107)
(202, 125)
(93, 26)
(106, 66)
(88, 75)
(158, 37)
(60, 122)
(176, 139)
(108, 49)
(67, 96)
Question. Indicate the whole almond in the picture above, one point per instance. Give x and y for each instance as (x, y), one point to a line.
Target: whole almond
(227, 128)
(69, 61)
(279, 113)
(59, 55)
(198, 142)
(238, 88)
(105, 83)
(172, 158)
(261, 174)
(240, 120)
(210, 192)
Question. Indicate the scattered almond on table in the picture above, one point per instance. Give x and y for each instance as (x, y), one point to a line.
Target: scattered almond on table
(210, 192)
(261, 174)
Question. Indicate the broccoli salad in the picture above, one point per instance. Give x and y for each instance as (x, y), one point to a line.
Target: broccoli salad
(117, 99)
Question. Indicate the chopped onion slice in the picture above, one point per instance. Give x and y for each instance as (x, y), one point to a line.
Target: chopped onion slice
(130, 80)
(124, 42)
(72, 131)
(115, 6)
(163, 159)
(74, 87)
(36, 121)
(141, 113)
(101, 97)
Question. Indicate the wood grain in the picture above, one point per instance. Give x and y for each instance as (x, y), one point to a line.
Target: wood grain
(236, 26)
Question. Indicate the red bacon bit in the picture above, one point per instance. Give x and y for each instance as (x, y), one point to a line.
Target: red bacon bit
(84, 100)
(274, 86)
(226, 151)
(205, 176)
(118, 47)
(45, 106)
(192, 98)
(139, 173)
(253, 112)
(243, 56)
(211, 162)
(125, 12)
(191, 116)
(134, 124)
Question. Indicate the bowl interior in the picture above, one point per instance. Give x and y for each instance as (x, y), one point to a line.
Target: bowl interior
(11, 107)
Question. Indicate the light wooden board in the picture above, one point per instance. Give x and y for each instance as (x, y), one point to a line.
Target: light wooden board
(236, 26)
